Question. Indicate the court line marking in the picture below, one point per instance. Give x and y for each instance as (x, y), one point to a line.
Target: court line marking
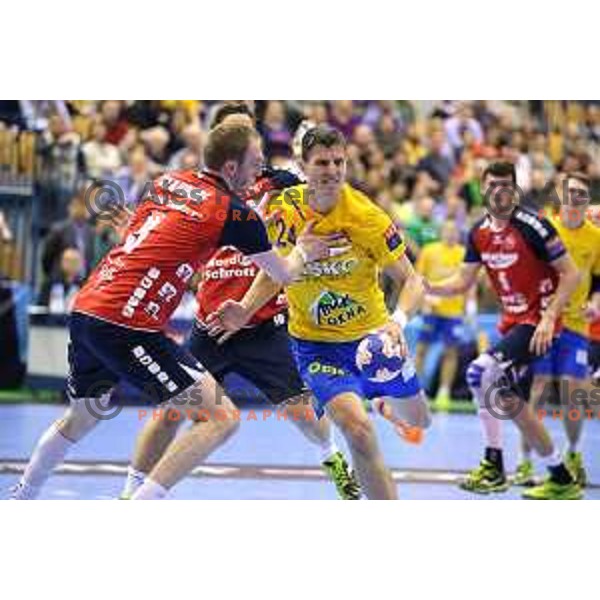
(239, 471)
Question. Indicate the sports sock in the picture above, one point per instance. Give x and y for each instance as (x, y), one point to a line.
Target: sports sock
(556, 467)
(150, 490)
(48, 454)
(525, 455)
(135, 479)
(494, 455)
(327, 449)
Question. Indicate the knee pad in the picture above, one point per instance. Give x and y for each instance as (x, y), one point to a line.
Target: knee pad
(485, 374)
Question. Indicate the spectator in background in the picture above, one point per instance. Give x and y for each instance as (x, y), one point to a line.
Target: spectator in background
(191, 153)
(436, 163)
(5, 232)
(133, 177)
(413, 145)
(156, 141)
(536, 198)
(59, 290)
(277, 137)
(388, 135)
(6, 237)
(421, 227)
(59, 150)
(74, 232)
(114, 118)
(343, 117)
(145, 114)
(101, 158)
(459, 124)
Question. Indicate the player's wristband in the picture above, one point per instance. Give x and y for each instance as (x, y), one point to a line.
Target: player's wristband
(399, 317)
(302, 253)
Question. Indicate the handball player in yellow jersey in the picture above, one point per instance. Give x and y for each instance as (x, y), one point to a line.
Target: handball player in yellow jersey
(567, 360)
(337, 303)
(444, 317)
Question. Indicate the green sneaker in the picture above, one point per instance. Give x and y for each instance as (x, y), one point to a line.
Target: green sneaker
(345, 481)
(551, 490)
(574, 462)
(485, 479)
(442, 402)
(525, 474)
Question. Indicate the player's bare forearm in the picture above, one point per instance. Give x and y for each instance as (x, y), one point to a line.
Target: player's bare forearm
(457, 284)
(570, 278)
(263, 288)
(412, 292)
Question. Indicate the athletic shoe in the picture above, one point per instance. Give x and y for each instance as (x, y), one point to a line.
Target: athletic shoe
(552, 490)
(409, 433)
(21, 491)
(442, 402)
(345, 481)
(485, 479)
(574, 462)
(525, 474)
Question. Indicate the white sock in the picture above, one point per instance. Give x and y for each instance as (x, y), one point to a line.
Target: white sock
(552, 460)
(444, 391)
(572, 448)
(150, 490)
(135, 480)
(328, 449)
(492, 429)
(524, 455)
(48, 454)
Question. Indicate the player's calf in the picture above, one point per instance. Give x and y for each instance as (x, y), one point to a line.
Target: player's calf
(54, 444)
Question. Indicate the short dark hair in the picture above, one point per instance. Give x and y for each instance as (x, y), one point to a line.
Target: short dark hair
(581, 177)
(321, 135)
(500, 169)
(228, 109)
(227, 142)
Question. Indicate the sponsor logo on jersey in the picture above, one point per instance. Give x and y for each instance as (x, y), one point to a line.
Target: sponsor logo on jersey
(336, 268)
(227, 268)
(316, 367)
(145, 359)
(139, 293)
(500, 260)
(393, 239)
(533, 222)
(335, 309)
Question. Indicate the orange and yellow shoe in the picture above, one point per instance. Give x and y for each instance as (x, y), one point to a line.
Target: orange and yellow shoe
(409, 433)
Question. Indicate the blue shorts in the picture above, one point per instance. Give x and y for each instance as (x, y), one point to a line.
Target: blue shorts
(440, 329)
(567, 357)
(101, 354)
(329, 369)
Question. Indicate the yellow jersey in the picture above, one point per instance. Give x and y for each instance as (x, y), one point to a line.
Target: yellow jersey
(583, 244)
(337, 299)
(438, 261)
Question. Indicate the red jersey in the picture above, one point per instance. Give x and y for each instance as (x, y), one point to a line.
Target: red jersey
(517, 260)
(229, 274)
(177, 227)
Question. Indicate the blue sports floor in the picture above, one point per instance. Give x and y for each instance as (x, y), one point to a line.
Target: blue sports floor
(266, 460)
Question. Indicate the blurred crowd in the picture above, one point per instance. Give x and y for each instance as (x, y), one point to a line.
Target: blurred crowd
(419, 161)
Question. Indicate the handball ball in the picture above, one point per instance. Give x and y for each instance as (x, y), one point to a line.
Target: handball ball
(378, 358)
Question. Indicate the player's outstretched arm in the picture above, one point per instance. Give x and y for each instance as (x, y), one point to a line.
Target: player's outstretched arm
(458, 284)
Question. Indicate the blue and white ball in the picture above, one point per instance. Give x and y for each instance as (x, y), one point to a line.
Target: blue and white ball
(378, 359)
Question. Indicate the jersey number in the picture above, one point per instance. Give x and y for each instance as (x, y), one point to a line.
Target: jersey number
(285, 235)
(504, 283)
(137, 237)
